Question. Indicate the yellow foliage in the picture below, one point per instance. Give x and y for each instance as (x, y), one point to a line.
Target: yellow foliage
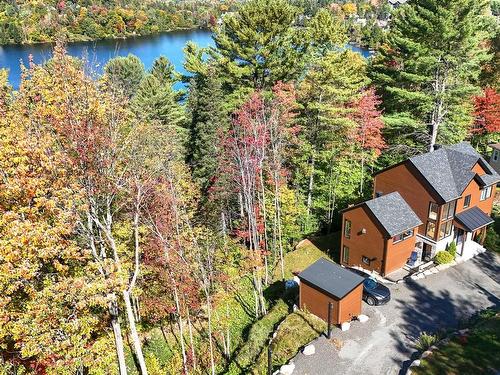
(349, 9)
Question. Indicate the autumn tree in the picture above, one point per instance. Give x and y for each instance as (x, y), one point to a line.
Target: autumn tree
(111, 158)
(54, 303)
(368, 131)
(253, 170)
(242, 160)
(486, 126)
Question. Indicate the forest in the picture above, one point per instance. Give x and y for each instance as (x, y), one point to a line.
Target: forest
(27, 21)
(144, 229)
(23, 21)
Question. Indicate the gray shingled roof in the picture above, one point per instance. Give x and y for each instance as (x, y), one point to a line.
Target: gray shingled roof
(331, 278)
(448, 169)
(393, 213)
(473, 218)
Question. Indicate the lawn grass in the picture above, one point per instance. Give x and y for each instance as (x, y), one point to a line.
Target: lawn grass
(478, 353)
(296, 331)
(329, 244)
(307, 252)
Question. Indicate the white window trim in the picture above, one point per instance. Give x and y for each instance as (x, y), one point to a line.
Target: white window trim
(486, 193)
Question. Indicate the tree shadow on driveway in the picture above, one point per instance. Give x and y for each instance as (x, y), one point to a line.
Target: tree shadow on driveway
(489, 264)
(426, 311)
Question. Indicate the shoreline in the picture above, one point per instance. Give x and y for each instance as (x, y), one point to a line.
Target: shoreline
(115, 38)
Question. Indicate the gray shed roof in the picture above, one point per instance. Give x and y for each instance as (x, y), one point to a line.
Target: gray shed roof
(393, 213)
(331, 278)
(473, 218)
(448, 169)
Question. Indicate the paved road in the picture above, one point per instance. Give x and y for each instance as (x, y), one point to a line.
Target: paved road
(384, 345)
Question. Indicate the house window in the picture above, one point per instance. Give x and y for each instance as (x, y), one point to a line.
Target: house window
(347, 228)
(365, 260)
(495, 155)
(486, 193)
(431, 229)
(345, 254)
(445, 229)
(433, 211)
(448, 211)
(402, 236)
(467, 201)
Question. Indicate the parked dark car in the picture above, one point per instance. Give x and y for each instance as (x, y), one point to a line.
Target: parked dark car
(374, 293)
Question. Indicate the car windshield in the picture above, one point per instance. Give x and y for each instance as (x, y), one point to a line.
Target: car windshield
(370, 283)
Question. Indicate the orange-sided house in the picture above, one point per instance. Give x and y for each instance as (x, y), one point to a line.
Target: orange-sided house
(379, 234)
(451, 190)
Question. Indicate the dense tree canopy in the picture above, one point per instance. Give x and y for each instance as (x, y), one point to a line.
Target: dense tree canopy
(428, 71)
(24, 21)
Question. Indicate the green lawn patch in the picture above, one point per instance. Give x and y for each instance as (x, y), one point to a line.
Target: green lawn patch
(295, 332)
(306, 253)
(329, 244)
(476, 353)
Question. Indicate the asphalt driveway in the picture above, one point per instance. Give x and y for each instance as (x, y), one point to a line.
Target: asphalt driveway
(384, 345)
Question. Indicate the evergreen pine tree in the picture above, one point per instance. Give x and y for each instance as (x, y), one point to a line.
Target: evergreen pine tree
(260, 44)
(428, 70)
(209, 120)
(157, 101)
(124, 74)
(331, 84)
(164, 71)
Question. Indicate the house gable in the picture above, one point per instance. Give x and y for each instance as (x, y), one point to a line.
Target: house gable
(415, 190)
(473, 190)
(367, 239)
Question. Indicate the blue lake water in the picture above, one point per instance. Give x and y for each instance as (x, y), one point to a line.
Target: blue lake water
(97, 53)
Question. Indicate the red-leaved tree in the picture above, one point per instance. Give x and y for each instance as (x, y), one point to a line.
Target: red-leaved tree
(486, 112)
(252, 166)
(486, 125)
(368, 130)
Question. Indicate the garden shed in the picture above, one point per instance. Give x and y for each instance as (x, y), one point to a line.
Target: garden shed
(325, 282)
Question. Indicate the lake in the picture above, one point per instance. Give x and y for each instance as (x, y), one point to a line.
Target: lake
(147, 48)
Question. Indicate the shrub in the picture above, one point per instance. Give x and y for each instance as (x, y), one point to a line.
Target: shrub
(443, 257)
(452, 249)
(425, 341)
(492, 240)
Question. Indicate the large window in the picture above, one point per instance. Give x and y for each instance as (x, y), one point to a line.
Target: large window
(345, 255)
(486, 193)
(467, 201)
(402, 236)
(445, 229)
(431, 229)
(433, 211)
(347, 228)
(448, 211)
